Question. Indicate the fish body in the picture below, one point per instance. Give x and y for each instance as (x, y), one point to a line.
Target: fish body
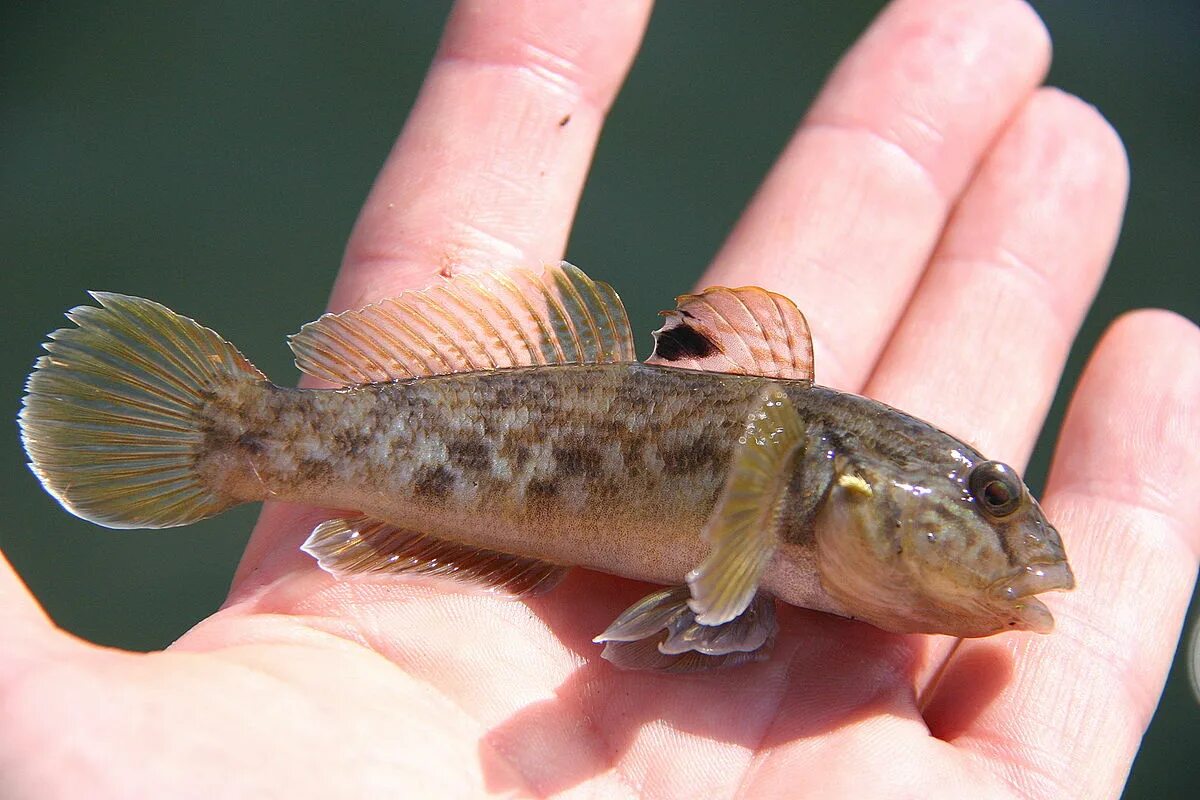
(734, 487)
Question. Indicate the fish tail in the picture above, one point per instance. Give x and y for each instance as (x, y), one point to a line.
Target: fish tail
(113, 419)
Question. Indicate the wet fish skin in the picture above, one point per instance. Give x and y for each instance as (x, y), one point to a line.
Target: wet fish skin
(617, 466)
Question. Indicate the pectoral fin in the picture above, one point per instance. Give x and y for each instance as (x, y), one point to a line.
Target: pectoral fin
(660, 632)
(744, 528)
(361, 545)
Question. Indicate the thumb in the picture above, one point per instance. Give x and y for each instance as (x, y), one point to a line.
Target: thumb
(25, 629)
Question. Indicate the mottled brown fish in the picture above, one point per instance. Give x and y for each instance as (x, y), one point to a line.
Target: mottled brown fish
(497, 429)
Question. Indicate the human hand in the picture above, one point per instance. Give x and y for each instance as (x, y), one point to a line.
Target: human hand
(943, 224)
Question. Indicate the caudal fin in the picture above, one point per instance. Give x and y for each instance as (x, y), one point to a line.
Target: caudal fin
(112, 417)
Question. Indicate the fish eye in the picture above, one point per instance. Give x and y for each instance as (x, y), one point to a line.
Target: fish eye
(996, 488)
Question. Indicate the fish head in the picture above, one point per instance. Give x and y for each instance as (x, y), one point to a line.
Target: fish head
(957, 545)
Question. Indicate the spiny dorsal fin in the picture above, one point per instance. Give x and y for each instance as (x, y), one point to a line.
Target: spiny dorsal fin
(746, 331)
(360, 545)
(743, 530)
(475, 321)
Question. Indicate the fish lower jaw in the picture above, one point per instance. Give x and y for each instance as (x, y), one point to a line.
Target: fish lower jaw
(1031, 614)
(1017, 594)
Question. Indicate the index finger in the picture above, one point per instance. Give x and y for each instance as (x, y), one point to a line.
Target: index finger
(489, 167)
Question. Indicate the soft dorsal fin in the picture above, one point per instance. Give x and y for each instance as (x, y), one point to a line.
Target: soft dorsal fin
(746, 331)
(475, 321)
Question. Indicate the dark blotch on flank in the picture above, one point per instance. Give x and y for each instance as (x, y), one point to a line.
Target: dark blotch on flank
(683, 341)
(251, 442)
(470, 455)
(576, 459)
(313, 471)
(541, 488)
(695, 456)
(434, 481)
(518, 456)
(350, 442)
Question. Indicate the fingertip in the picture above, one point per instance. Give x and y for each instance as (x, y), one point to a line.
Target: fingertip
(1015, 24)
(1027, 25)
(1090, 134)
(936, 78)
(1132, 426)
(1161, 324)
(1152, 352)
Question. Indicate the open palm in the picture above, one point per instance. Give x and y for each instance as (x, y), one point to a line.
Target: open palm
(944, 222)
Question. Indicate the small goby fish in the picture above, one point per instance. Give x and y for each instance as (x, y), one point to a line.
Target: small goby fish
(497, 429)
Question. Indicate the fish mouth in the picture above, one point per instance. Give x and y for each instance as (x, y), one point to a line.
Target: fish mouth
(1029, 613)
(1034, 579)
(1032, 615)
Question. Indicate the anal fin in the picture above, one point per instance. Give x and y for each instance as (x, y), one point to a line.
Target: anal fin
(361, 545)
(660, 632)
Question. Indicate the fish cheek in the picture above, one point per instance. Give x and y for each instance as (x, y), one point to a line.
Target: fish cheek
(857, 559)
(950, 556)
(876, 560)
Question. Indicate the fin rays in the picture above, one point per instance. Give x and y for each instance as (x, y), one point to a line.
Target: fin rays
(661, 632)
(113, 420)
(746, 331)
(360, 545)
(743, 529)
(475, 322)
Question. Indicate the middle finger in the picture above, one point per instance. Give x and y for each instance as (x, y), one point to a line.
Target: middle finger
(849, 214)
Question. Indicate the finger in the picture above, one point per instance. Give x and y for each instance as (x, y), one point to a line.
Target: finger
(982, 344)
(24, 626)
(849, 214)
(491, 161)
(1122, 489)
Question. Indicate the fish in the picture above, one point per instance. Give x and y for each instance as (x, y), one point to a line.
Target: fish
(498, 430)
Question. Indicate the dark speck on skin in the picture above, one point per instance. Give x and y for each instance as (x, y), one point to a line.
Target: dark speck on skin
(251, 442)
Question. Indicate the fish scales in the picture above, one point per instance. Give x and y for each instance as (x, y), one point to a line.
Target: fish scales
(576, 465)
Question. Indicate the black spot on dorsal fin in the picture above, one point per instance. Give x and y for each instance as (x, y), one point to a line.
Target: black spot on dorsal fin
(746, 331)
(683, 341)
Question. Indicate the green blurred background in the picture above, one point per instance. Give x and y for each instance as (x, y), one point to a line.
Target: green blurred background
(213, 156)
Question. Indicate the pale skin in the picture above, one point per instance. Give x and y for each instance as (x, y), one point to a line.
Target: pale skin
(944, 221)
